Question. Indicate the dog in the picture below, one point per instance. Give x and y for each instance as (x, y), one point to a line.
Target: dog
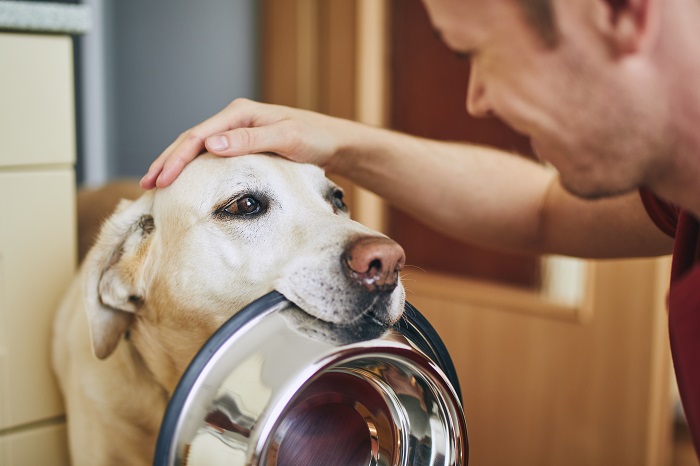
(169, 268)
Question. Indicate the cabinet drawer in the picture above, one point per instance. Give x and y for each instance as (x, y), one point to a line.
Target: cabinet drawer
(37, 116)
(37, 262)
(46, 445)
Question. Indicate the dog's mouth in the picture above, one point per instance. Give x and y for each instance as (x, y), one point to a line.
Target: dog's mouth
(344, 298)
(351, 309)
(375, 312)
(365, 327)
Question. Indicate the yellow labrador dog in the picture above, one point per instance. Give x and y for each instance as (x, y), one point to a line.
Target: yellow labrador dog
(170, 267)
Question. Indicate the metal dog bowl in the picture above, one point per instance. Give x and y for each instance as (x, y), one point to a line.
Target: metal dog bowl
(274, 386)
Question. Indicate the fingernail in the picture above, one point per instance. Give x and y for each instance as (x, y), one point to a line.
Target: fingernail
(147, 178)
(217, 143)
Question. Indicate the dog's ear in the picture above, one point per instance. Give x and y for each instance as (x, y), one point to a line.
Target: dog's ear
(113, 273)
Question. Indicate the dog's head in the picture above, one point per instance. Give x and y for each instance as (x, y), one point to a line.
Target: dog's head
(169, 268)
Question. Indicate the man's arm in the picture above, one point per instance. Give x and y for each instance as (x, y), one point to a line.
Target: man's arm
(473, 193)
(496, 199)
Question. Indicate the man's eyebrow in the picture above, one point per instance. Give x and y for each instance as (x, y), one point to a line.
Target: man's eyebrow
(462, 55)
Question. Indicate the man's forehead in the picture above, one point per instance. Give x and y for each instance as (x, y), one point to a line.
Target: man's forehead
(448, 28)
(464, 25)
(466, 16)
(444, 7)
(462, 7)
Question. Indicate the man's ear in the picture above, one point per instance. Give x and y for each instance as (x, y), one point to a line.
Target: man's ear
(625, 23)
(113, 273)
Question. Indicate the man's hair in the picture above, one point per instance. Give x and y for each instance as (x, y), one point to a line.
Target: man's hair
(540, 14)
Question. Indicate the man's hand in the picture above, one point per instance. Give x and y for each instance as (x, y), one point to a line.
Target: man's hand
(247, 127)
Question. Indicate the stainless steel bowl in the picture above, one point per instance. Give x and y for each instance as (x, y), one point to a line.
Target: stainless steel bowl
(273, 386)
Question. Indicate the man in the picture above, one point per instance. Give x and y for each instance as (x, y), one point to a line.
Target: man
(605, 90)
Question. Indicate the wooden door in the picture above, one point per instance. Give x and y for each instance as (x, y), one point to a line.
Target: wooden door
(427, 98)
(544, 382)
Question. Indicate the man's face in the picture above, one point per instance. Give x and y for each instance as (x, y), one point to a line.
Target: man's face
(585, 111)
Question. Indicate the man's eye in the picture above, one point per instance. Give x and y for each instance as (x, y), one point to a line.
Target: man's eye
(246, 205)
(337, 201)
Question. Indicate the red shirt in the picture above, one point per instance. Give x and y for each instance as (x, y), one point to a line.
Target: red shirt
(683, 303)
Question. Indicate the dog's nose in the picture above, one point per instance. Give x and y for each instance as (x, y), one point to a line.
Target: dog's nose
(375, 262)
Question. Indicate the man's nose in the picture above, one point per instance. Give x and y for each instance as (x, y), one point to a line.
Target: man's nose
(478, 104)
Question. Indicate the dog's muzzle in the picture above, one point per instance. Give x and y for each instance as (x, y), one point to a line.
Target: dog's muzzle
(273, 387)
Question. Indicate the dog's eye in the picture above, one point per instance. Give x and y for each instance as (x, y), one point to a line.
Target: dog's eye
(246, 205)
(337, 201)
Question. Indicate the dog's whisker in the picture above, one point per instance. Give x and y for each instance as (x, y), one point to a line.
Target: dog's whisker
(414, 267)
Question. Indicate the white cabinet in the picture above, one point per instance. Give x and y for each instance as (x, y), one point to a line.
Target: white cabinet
(37, 238)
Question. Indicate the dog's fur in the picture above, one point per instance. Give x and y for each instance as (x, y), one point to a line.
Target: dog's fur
(170, 267)
(96, 204)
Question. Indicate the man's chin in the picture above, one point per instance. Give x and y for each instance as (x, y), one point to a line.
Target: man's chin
(579, 181)
(592, 191)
